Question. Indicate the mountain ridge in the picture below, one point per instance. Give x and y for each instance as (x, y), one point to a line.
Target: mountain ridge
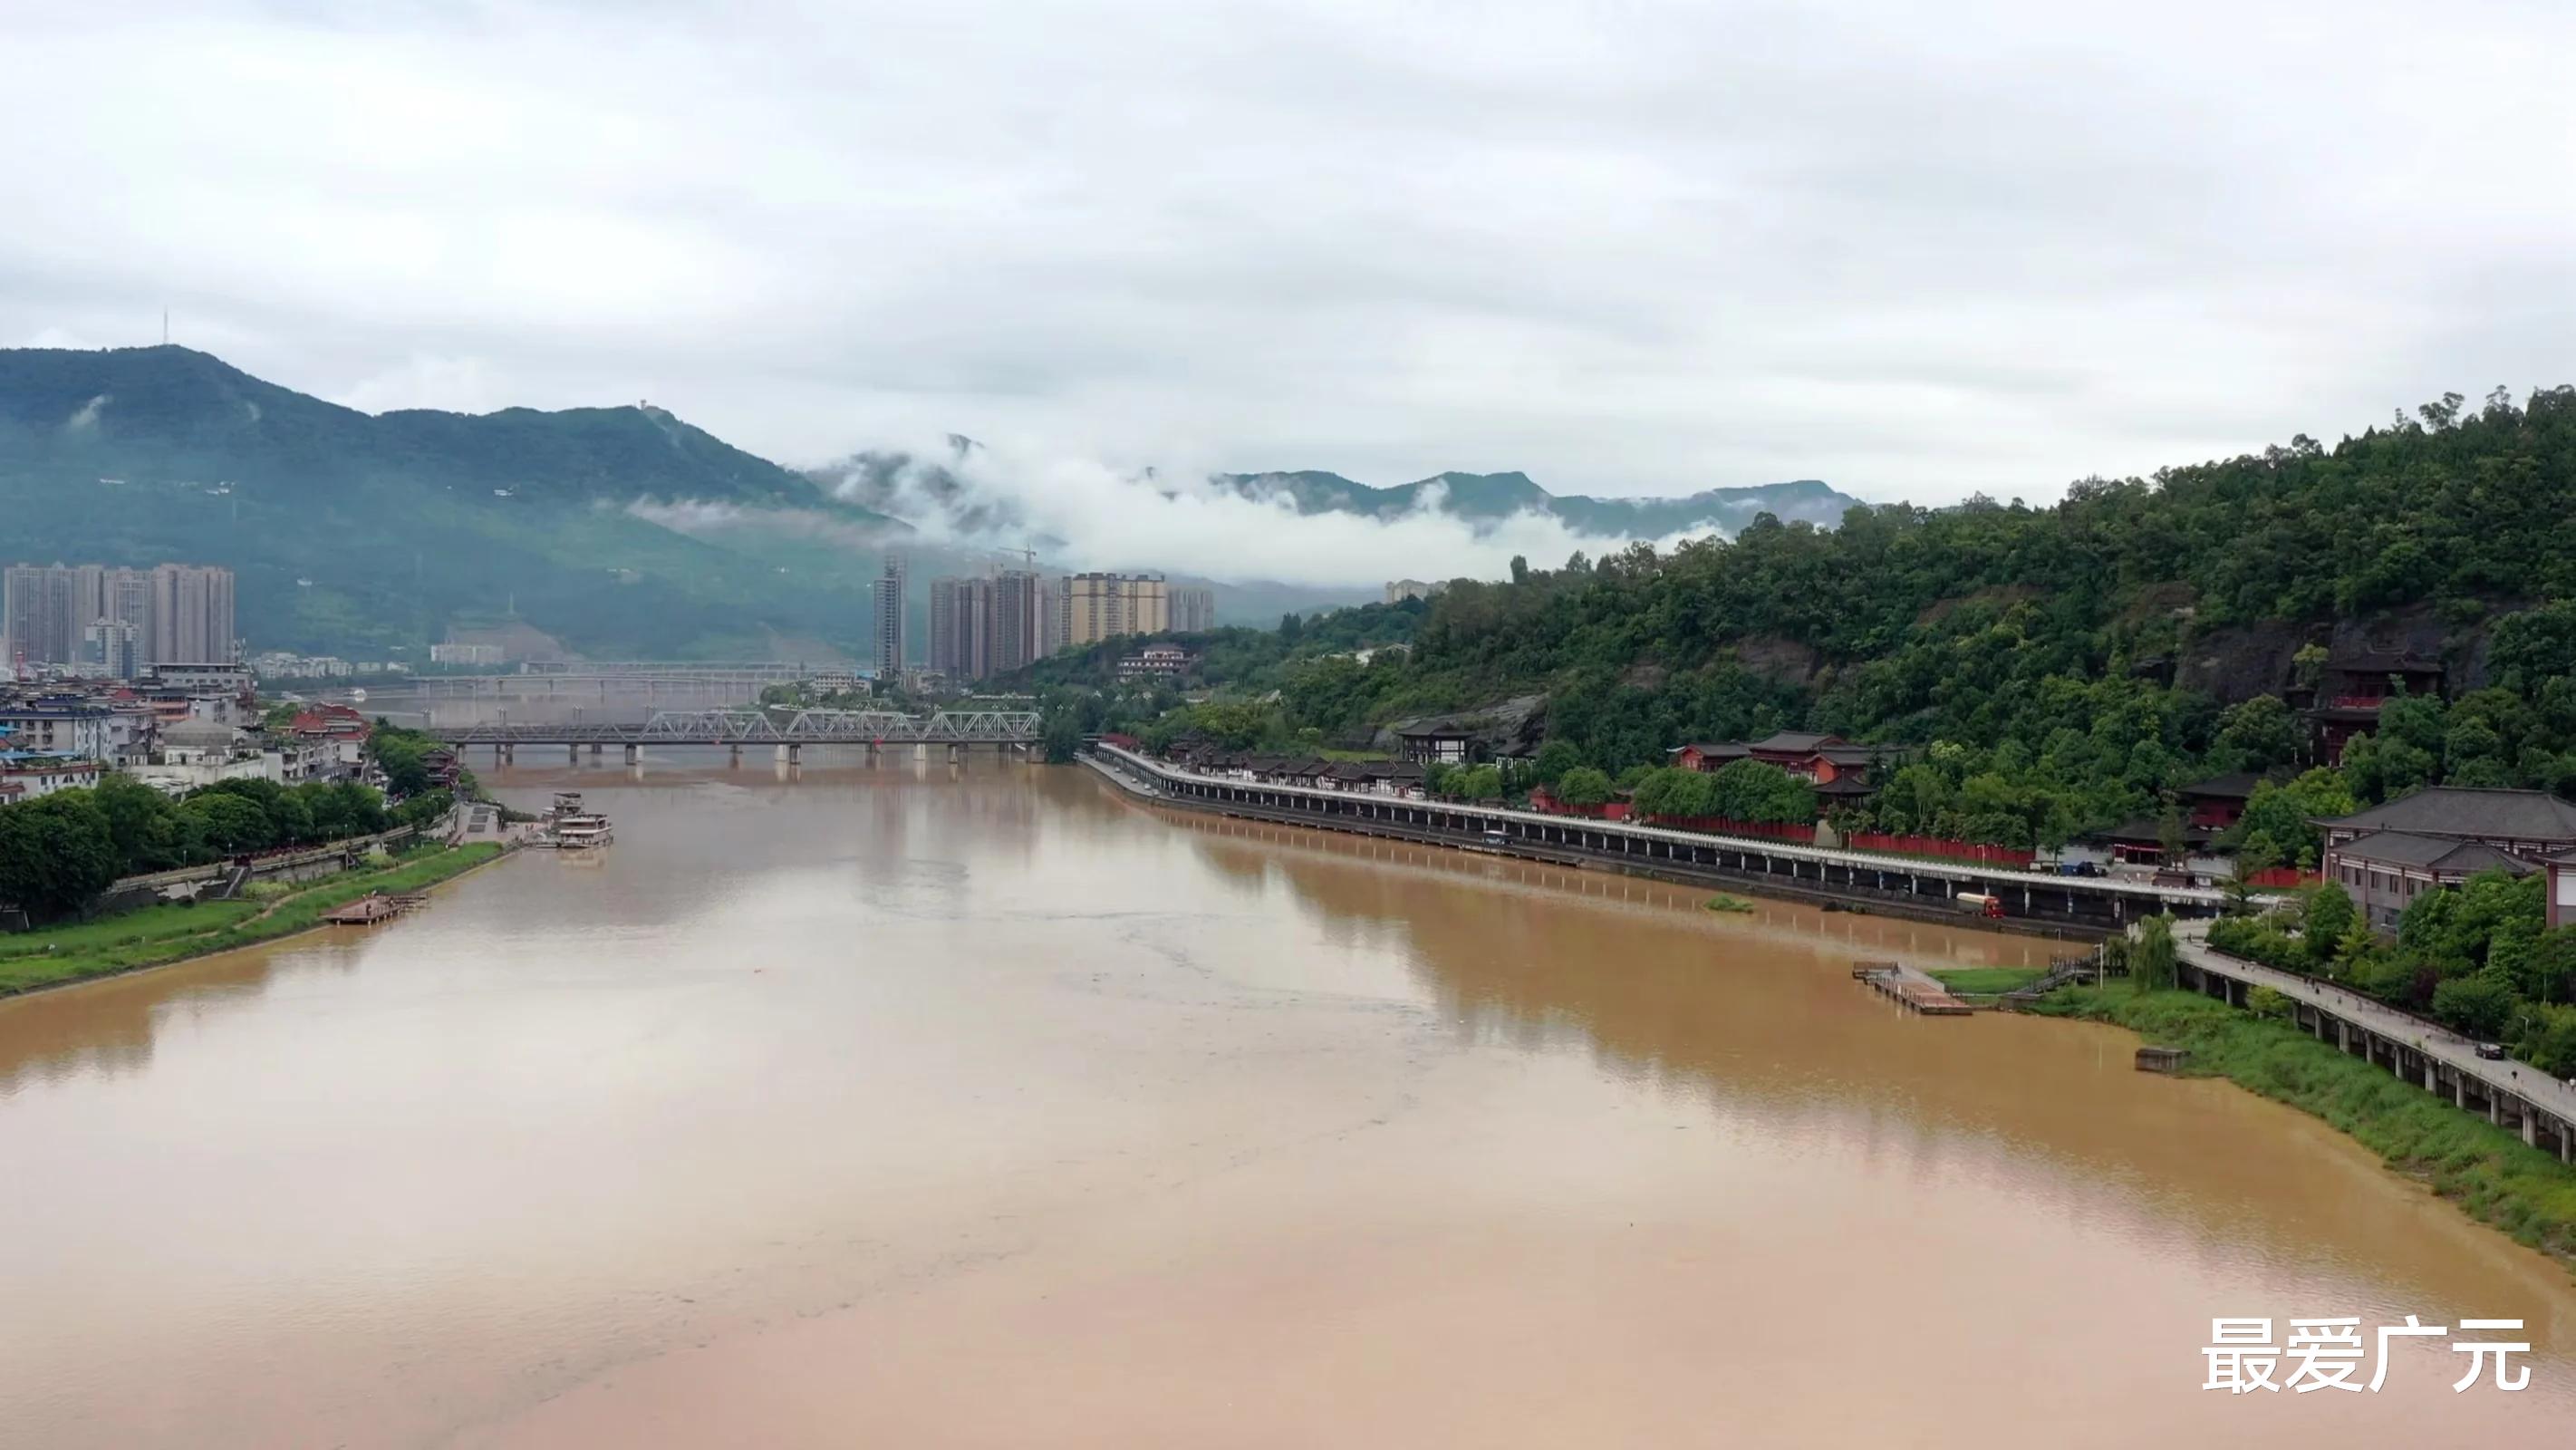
(1495, 496)
(374, 534)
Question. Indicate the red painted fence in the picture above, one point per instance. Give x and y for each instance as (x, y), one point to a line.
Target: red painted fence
(1801, 833)
(1984, 855)
(2283, 878)
(1541, 801)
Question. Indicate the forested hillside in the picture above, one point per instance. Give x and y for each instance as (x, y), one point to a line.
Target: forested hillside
(361, 534)
(2062, 667)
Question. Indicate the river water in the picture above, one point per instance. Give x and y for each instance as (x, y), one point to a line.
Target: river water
(906, 1107)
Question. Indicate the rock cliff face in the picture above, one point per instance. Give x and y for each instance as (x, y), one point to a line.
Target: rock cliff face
(2239, 662)
(1501, 728)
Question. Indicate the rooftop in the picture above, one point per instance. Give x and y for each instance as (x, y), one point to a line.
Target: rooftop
(2432, 853)
(1797, 741)
(2234, 786)
(2470, 812)
(23, 760)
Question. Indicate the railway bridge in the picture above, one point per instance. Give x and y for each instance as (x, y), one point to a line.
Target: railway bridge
(789, 732)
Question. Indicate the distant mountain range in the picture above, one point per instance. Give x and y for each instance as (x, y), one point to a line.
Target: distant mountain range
(615, 530)
(1496, 496)
(609, 531)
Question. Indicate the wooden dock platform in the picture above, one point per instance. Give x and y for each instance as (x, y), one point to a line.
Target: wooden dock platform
(374, 907)
(1911, 988)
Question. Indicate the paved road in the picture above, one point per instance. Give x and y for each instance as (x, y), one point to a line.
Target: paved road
(2449, 1048)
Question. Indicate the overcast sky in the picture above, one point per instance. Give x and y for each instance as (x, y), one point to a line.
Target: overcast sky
(1917, 251)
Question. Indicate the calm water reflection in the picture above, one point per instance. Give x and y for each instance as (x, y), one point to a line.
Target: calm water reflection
(895, 1107)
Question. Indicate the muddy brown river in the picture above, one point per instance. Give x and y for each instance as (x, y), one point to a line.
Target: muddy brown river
(898, 1107)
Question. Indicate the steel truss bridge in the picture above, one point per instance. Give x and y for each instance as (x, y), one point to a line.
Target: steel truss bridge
(760, 727)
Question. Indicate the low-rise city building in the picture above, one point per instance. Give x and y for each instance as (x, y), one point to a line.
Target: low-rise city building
(77, 725)
(2390, 854)
(27, 775)
(1156, 660)
(1824, 760)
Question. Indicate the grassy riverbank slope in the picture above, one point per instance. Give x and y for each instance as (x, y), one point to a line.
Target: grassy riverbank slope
(2487, 1171)
(1988, 980)
(156, 935)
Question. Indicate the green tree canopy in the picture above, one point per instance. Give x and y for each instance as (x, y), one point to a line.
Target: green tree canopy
(56, 852)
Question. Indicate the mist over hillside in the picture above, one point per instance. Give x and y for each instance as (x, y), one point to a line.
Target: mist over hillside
(628, 531)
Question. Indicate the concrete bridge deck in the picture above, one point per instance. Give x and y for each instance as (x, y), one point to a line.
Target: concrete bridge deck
(1903, 885)
(2513, 1094)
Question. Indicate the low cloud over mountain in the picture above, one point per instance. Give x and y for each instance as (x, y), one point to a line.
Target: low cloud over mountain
(1311, 528)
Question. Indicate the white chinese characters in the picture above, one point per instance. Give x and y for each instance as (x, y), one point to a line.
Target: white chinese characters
(2326, 1353)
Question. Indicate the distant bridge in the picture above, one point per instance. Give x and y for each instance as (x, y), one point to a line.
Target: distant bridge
(760, 727)
(645, 677)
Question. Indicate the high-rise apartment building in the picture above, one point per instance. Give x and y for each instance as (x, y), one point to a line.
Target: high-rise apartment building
(177, 612)
(888, 598)
(192, 614)
(126, 597)
(39, 605)
(1193, 608)
(1019, 620)
(108, 650)
(1050, 616)
(961, 628)
(1104, 606)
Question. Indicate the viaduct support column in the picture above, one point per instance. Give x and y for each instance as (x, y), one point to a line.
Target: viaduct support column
(2460, 1092)
(2530, 1128)
(2430, 1085)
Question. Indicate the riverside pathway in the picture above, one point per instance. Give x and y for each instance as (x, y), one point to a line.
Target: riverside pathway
(2428, 1040)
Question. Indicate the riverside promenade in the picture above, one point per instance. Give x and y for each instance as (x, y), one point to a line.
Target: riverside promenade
(1892, 885)
(2512, 1094)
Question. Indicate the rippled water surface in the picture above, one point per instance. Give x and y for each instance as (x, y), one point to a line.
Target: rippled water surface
(902, 1107)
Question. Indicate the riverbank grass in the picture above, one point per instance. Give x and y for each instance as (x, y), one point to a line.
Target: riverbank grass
(156, 935)
(1988, 981)
(1724, 902)
(2488, 1172)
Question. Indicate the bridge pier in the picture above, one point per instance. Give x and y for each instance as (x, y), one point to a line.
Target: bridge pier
(575, 752)
(594, 750)
(634, 755)
(953, 752)
(733, 755)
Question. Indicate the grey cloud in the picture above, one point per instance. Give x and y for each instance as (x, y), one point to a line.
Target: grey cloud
(1916, 251)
